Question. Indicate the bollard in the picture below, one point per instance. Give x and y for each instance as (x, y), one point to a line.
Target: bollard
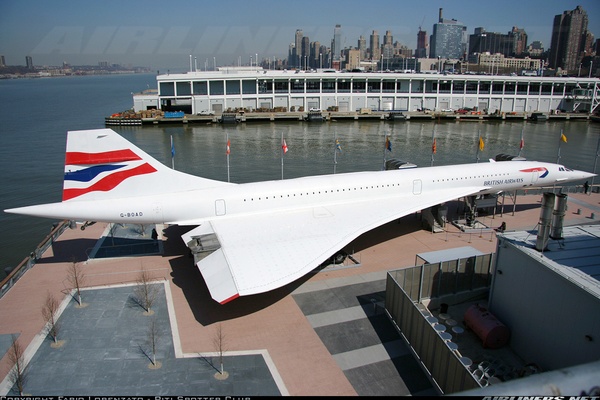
(579, 211)
(593, 216)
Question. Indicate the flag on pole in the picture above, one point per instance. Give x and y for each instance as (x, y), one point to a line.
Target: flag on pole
(563, 137)
(521, 143)
(338, 146)
(481, 144)
(228, 151)
(172, 153)
(434, 147)
(388, 143)
(284, 149)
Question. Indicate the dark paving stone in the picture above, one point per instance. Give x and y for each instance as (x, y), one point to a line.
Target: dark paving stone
(106, 352)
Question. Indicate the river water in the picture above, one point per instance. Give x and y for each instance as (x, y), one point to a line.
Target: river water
(36, 114)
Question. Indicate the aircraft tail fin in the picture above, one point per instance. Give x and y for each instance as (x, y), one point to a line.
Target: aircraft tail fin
(100, 164)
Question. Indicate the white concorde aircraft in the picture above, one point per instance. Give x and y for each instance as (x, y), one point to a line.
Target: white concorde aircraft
(263, 235)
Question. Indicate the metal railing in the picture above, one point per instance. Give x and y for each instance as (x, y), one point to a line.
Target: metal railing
(30, 261)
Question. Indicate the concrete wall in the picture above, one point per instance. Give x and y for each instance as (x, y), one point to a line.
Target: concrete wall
(556, 318)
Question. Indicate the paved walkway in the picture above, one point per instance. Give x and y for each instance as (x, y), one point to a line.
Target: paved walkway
(350, 321)
(105, 348)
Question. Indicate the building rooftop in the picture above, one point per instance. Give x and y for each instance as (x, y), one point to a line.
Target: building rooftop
(576, 256)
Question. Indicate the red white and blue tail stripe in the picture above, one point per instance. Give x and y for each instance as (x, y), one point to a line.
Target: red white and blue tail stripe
(93, 172)
(102, 165)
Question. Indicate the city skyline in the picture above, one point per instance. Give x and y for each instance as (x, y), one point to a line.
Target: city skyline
(163, 36)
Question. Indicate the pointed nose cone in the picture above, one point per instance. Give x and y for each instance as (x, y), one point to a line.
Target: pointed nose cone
(585, 175)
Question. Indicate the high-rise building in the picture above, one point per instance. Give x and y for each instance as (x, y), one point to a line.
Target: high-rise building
(314, 56)
(422, 46)
(2, 61)
(492, 42)
(535, 49)
(374, 46)
(352, 59)
(336, 44)
(362, 47)
(449, 39)
(291, 55)
(29, 62)
(304, 54)
(569, 32)
(387, 48)
(520, 40)
(324, 57)
(297, 52)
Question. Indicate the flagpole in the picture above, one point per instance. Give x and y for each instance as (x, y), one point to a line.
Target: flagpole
(384, 150)
(172, 154)
(560, 139)
(433, 146)
(478, 146)
(281, 155)
(595, 161)
(521, 144)
(334, 151)
(228, 151)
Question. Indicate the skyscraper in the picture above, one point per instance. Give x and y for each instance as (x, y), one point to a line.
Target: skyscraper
(421, 51)
(569, 33)
(314, 58)
(388, 45)
(493, 42)
(362, 47)
(304, 54)
(336, 45)
(297, 52)
(449, 39)
(520, 40)
(374, 46)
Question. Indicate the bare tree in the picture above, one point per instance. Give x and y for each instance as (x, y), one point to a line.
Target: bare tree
(219, 343)
(50, 314)
(76, 279)
(153, 337)
(18, 373)
(145, 291)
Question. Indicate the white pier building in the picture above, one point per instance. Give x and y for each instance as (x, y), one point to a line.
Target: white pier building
(232, 89)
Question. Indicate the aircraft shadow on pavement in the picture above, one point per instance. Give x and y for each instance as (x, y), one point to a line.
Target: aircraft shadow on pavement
(72, 250)
(186, 275)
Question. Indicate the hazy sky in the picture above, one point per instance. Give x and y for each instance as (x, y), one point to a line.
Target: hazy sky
(162, 34)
